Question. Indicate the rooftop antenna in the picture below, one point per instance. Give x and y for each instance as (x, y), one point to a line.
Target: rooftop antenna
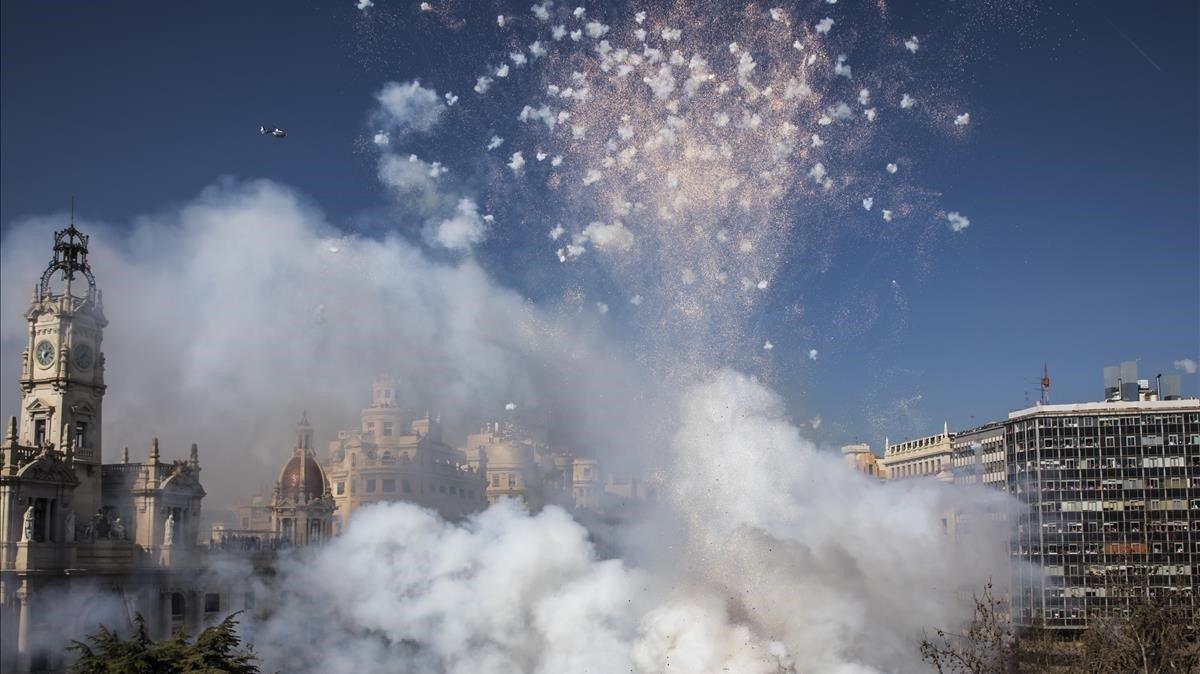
(1045, 384)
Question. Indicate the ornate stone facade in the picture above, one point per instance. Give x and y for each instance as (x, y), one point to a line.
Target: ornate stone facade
(127, 532)
(393, 456)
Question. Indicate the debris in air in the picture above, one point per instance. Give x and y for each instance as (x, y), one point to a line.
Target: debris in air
(272, 131)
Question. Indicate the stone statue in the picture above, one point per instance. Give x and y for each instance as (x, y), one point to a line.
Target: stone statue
(117, 530)
(169, 534)
(69, 526)
(27, 525)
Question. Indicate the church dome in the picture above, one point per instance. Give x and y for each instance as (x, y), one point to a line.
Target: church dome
(302, 479)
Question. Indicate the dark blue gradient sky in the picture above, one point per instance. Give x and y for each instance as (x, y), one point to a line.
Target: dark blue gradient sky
(1081, 177)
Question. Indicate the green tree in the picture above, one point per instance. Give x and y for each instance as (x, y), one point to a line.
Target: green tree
(217, 649)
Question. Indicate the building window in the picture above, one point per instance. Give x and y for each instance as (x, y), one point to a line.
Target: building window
(512, 481)
(389, 485)
(248, 601)
(81, 434)
(370, 486)
(212, 602)
(341, 488)
(387, 428)
(404, 484)
(39, 432)
(178, 605)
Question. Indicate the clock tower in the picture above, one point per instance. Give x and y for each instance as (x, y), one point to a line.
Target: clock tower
(62, 367)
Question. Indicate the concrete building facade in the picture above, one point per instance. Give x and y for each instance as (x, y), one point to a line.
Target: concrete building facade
(1112, 507)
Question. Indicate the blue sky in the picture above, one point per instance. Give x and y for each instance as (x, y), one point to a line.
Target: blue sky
(1080, 176)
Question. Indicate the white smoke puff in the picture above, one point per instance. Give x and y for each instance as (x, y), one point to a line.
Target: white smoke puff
(868, 203)
(671, 34)
(482, 84)
(510, 406)
(335, 250)
(887, 215)
(864, 96)
(777, 14)
(824, 120)
(461, 231)
(824, 26)
(907, 101)
(556, 232)
(767, 345)
(556, 160)
(536, 50)
(500, 21)
(816, 141)
(381, 139)
(798, 45)
(408, 107)
(640, 34)
(595, 29)
(502, 70)
(541, 155)
(640, 17)
(451, 99)
(963, 119)
(570, 252)
(1186, 364)
(841, 68)
(662, 83)
(957, 222)
(840, 111)
(518, 58)
(870, 113)
(436, 169)
(592, 176)
(892, 168)
(721, 119)
(817, 172)
(579, 13)
(364, 4)
(542, 11)
(576, 35)
(602, 308)
(812, 354)
(912, 44)
(516, 162)
(815, 422)
(558, 32)
(495, 142)
(636, 300)
(762, 285)
(609, 237)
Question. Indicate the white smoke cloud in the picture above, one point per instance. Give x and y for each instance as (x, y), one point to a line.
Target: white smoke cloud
(1188, 365)
(912, 44)
(958, 222)
(516, 162)
(610, 237)
(251, 262)
(408, 107)
(461, 231)
(507, 591)
(824, 26)
(963, 119)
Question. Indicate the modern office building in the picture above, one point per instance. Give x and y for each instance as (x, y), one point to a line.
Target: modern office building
(1112, 496)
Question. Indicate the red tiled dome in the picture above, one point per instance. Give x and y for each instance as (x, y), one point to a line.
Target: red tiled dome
(302, 479)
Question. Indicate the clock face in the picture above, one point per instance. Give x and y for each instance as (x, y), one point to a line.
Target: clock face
(44, 353)
(83, 356)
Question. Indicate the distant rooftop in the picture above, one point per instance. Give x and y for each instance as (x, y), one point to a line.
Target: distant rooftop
(1116, 406)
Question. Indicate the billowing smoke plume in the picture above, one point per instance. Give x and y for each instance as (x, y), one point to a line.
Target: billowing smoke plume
(771, 557)
(679, 160)
(231, 316)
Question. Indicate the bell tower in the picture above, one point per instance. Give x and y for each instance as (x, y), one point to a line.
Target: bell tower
(62, 367)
